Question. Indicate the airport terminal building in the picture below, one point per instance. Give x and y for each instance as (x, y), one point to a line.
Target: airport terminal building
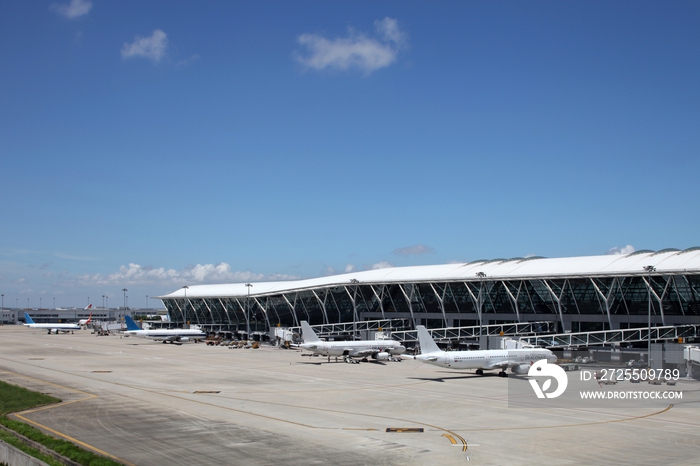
(576, 293)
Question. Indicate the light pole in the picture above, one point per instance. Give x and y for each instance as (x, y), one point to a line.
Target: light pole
(54, 303)
(124, 290)
(481, 276)
(2, 317)
(103, 301)
(247, 317)
(649, 269)
(356, 282)
(185, 288)
(146, 301)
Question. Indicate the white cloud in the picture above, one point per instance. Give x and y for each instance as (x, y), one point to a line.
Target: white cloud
(135, 274)
(152, 47)
(355, 51)
(74, 9)
(629, 249)
(381, 265)
(349, 268)
(414, 250)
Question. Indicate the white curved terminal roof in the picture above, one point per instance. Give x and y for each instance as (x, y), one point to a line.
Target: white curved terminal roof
(666, 261)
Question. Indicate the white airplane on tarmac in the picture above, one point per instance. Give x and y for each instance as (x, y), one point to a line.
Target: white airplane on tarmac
(379, 350)
(518, 360)
(84, 322)
(50, 328)
(172, 335)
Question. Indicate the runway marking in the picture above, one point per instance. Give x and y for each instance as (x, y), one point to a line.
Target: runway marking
(276, 419)
(582, 424)
(88, 396)
(454, 442)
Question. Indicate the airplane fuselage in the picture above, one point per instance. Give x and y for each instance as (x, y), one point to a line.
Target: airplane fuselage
(167, 334)
(486, 359)
(353, 348)
(55, 328)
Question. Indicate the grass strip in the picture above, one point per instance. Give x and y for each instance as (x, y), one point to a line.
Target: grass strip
(10, 439)
(14, 398)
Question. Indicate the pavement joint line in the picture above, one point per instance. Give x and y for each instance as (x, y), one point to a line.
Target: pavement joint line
(416, 422)
(89, 396)
(582, 424)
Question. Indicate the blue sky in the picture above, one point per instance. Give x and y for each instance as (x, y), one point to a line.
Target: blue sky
(150, 145)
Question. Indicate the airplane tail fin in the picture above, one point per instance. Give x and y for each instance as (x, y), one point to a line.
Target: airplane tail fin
(89, 318)
(89, 306)
(427, 344)
(27, 319)
(130, 324)
(307, 333)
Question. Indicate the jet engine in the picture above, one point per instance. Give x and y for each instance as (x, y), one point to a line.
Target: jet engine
(383, 356)
(397, 350)
(183, 339)
(53, 331)
(520, 369)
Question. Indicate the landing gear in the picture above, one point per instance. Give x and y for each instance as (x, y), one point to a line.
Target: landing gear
(502, 374)
(479, 372)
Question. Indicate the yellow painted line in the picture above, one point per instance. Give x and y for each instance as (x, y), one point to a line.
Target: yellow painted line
(450, 438)
(88, 396)
(454, 442)
(582, 424)
(71, 439)
(401, 430)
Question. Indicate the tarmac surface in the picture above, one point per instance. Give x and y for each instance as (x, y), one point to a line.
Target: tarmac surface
(148, 403)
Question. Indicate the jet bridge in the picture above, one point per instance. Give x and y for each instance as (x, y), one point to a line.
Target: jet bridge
(494, 330)
(609, 337)
(397, 329)
(362, 327)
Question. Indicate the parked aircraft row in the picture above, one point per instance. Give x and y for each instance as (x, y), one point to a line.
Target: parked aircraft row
(58, 327)
(165, 335)
(518, 360)
(379, 350)
(173, 335)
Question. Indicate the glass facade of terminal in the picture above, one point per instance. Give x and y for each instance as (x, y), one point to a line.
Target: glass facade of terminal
(576, 304)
